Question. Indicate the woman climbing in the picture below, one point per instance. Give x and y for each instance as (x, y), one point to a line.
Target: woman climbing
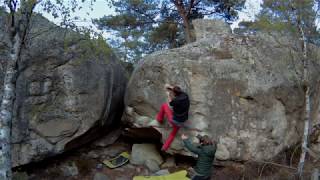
(176, 111)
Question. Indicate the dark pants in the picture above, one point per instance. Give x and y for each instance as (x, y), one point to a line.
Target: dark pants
(196, 177)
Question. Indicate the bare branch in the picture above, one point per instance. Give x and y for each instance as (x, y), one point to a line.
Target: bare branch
(26, 11)
(12, 5)
(191, 5)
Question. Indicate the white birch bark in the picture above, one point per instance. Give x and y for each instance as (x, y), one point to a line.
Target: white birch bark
(17, 32)
(307, 117)
(6, 110)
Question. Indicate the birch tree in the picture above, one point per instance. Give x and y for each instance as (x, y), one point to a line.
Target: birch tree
(17, 29)
(296, 18)
(302, 26)
(19, 15)
(306, 88)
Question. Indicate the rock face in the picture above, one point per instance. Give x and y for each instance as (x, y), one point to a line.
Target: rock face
(143, 152)
(69, 89)
(245, 91)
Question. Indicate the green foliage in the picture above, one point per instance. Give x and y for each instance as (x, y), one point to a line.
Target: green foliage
(165, 33)
(87, 48)
(2, 10)
(62, 9)
(285, 16)
(143, 26)
(97, 47)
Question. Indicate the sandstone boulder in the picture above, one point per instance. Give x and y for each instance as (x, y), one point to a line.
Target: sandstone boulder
(245, 91)
(141, 153)
(69, 90)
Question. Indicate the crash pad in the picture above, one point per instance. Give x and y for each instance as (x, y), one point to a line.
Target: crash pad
(118, 161)
(180, 175)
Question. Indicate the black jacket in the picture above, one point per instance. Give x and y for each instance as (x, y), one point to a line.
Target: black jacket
(180, 105)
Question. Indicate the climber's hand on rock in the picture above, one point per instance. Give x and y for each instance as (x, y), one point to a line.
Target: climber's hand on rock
(168, 87)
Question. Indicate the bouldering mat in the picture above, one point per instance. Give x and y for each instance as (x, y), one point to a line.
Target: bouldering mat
(180, 175)
(118, 161)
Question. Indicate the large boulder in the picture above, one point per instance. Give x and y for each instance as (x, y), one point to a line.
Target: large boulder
(246, 91)
(69, 90)
(141, 153)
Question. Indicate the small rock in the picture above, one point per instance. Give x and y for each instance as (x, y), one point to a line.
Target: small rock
(93, 154)
(124, 178)
(162, 172)
(138, 169)
(113, 151)
(99, 166)
(32, 176)
(315, 174)
(70, 169)
(100, 176)
(20, 176)
(152, 165)
(145, 172)
(47, 85)
(35, 88)
(170, 162)
(142, 152)
(130, 166)
(109, 139)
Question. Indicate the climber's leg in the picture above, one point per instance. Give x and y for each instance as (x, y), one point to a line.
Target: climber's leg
(171, 137)
(165, 110)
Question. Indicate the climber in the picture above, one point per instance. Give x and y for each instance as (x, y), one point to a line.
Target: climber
(205, 150)
(176, 111)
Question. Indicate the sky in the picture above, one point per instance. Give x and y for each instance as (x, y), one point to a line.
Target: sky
(100, 8)
(248, 13)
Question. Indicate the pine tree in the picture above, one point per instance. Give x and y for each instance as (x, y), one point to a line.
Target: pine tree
(144, 26)
(284, 16)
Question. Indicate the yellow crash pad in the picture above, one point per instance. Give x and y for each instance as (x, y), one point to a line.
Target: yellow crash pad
(118, 161)
(180, 175)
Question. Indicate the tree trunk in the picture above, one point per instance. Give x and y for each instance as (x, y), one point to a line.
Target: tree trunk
(306, 132)
(184, 15)
(6, 110)
(18, 31)
(307, 120)
(187, 29)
